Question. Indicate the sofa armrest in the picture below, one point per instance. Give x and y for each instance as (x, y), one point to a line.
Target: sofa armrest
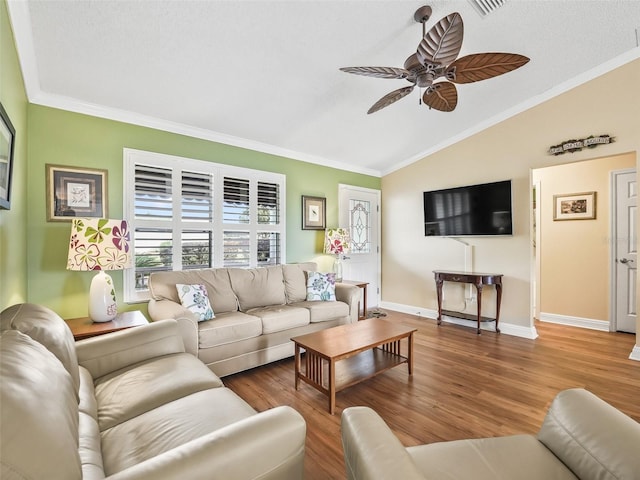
(268, 445)
(108, 353)
(187, 321)
(349, 294)
(371, 450)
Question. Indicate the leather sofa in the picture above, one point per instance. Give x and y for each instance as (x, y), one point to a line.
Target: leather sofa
(582, 437)
(257, 312)
(128, 405)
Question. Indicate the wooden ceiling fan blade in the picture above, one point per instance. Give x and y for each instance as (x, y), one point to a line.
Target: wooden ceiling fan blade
(378, 72)
(441, 44)
(482, 66)
(442, 96)
(390, 98)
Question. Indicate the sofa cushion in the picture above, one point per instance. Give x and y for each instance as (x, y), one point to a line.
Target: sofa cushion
(196, 299)
(131, 391)
(591, 437)
(162, 286)
(324, 311)
(45, 327)
(38, 414)
(500, 458)
(169, 426)
(295, 280)
(258, 287)
(321, 287)
(228, 328)
(281, 317)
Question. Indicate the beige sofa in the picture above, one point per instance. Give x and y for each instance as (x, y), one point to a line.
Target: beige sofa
(128, 405)
(582, 437)
(257, 312)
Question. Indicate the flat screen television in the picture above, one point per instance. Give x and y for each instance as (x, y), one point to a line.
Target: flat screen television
(472, 210)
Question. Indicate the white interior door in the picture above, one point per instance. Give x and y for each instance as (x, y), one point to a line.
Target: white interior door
(626, 253)
(359, 212)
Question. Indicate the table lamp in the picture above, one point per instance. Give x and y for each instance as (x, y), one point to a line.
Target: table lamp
(336, 242)
(100, 244)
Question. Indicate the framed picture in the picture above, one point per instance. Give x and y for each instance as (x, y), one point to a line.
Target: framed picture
(574, 206)
(75, 192)
(313, 213)
(7, 142)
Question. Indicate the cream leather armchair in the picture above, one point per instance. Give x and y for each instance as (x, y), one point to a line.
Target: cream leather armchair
(581, 437)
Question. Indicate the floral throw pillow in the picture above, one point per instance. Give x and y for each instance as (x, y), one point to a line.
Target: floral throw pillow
(196, 299)
(321, 287)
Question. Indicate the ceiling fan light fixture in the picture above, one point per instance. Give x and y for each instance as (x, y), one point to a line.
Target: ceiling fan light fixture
(436, 57)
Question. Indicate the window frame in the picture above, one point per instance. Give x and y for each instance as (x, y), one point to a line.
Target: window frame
(177, 225)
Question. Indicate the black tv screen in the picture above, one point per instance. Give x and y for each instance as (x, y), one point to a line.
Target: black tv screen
(472, 210)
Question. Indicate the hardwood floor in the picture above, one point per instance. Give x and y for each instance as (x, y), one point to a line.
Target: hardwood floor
(464, 385)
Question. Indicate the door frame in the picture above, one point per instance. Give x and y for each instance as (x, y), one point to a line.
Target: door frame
(378, 213)
(613, 210)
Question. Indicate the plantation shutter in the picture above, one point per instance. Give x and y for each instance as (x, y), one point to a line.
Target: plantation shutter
(187, 214)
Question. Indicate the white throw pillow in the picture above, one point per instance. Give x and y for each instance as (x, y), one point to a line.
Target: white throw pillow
(196, 299)
(321, 287)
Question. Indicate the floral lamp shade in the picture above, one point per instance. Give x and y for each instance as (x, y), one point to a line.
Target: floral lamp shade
(100, 244)
(336, 241)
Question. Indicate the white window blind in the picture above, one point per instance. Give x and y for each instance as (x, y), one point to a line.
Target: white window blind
(188, 214)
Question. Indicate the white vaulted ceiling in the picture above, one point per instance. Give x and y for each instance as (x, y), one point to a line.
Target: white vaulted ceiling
(264, 74)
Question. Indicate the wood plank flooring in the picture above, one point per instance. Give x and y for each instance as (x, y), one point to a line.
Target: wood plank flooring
(464, 385)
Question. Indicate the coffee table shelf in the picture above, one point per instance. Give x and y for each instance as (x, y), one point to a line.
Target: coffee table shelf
(339, 357)
(363, 366)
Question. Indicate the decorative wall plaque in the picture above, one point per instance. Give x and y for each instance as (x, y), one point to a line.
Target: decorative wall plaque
(577, 145)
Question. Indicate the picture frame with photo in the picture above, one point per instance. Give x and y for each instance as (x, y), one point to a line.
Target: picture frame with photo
(7, 147)
(313, 213)
(574, 206)
(75, 192)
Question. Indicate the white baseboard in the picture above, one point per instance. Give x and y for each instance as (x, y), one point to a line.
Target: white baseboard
(506, 328)
(635, 353)
(589, 323)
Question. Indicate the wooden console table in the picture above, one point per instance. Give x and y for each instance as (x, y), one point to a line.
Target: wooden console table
(477, 279)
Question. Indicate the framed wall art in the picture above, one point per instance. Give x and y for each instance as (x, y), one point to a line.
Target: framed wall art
(75, 192)
(313, 213)
(7, 143)
(574, 206)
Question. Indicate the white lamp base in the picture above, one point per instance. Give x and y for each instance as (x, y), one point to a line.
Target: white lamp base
(102, 298)
(337, 268)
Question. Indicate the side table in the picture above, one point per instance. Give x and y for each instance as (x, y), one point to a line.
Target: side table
(363, 286)
(84, 327)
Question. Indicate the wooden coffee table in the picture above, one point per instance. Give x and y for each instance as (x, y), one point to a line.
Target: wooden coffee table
(352, 353)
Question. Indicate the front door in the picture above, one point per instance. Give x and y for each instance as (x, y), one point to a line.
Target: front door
(625, 244)
(359, 212)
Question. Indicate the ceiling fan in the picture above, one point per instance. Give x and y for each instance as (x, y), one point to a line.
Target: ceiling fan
(436, 58)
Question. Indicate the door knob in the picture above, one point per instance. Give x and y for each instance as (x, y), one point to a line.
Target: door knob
(625, 260)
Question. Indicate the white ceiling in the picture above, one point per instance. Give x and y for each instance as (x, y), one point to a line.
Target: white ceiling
(264, 74)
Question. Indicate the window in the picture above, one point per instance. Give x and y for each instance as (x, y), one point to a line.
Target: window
(187, 214)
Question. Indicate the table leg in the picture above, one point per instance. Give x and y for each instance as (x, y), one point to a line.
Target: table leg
(439, 283)
(410, 353)
(498, 299)
(332, 386)
(364, 302)
(479, 298)
(297, 364)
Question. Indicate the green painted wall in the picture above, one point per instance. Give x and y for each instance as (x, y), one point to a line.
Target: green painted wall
(13, 233)
(65, 138)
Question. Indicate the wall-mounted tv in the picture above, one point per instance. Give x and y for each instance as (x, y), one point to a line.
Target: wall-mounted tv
(472, 210)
